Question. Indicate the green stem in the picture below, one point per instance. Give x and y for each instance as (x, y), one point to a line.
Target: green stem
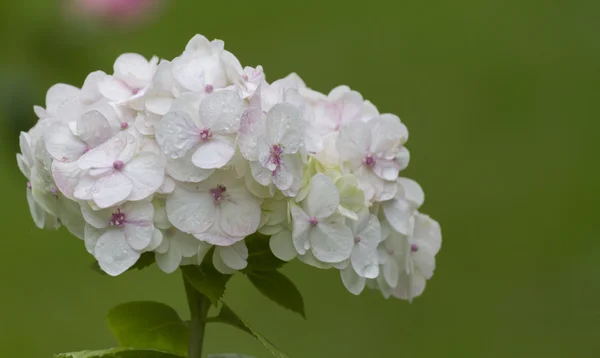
(199, 305)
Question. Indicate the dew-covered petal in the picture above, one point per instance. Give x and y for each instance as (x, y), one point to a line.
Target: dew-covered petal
(252, 126)
(66, 177)
(387, 133)
(176, 134)
(191, 211)
(113, 253)
(183, 170)
(239, 215)
(215, 153)
(62, 144)
(104, 155)
(353, 141)
(286, 127)
(111, 189)
(146, 173)
(221, 111)
(93, 128)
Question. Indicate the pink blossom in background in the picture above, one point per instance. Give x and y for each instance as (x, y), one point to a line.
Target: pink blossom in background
(115, 10)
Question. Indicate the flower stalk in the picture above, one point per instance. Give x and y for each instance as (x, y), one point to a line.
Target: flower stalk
(199, 306)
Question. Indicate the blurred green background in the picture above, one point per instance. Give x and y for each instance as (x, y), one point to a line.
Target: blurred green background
(501, 100)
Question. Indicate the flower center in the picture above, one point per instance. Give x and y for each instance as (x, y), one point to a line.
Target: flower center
(118, 164)
(205, 134)
(414, 247)
(29, 185)
(369, 161)
(117, 218)
(357, 239)
(135, 91)
(276, 152)
(313, 221)
(209, 88)
(124, 125)
(218, 193)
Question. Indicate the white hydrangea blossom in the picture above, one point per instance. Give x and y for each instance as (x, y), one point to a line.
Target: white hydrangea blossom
(191, 156)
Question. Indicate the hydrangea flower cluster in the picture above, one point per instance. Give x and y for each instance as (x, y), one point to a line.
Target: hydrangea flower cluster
(177, 157)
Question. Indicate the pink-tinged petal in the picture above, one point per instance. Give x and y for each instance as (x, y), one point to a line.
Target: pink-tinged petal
(105, 154)
(221, 111)
(191, 211)
(387, 132)
(66, 177)
(239, 215)
(323, 198)
(215, 153)
(183, 170)
(111, 189)
(177, 134)
(292, 164)
(286, 127)
(331, 242)
(353, 141)
(93, 128)
(62, 144)
(147, 175)
(283, 177)
(252, 126)
(85, 188)
(113, 253)
(353, 282)
(235, 256)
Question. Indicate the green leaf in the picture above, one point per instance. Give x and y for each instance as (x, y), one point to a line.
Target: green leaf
(145, 260)
(149, 325)
(260, 256)
(227, 316)
(206, 280)
(279, 289)
(119, 353)
(228, 355)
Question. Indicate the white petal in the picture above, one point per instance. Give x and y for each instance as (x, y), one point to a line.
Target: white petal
(412, 191)
(219, 264)
(66, 177)
(114, 89)
(285, 126)
(134, 69)
(387, 132)
(235, 256)
(409, 286)
(403, 158)
(282, 245)
(331, 242)
(239, 215)
(157, 240)
(182, 169)
(261, 174)
(353, 282)
(114, 254)
(391, 272)
(365, 262)
(189, 245)
(177, 134)
(428, 230)
(91, 236)
(147, 175)
(191, 211)
(90, 91)
(85, 188)
(99, 219)
(170, 260)
(111, 189)
(139, 224)
(353, 141)
(221, 111)
(93, 128)
(301, 227)
(104, 155)
(37, 212)
(323, 198)
(398, 212)
(386, 169)
(215, 153)
(62, 144)
(23, 166)
(252, 126)
(59, 96)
